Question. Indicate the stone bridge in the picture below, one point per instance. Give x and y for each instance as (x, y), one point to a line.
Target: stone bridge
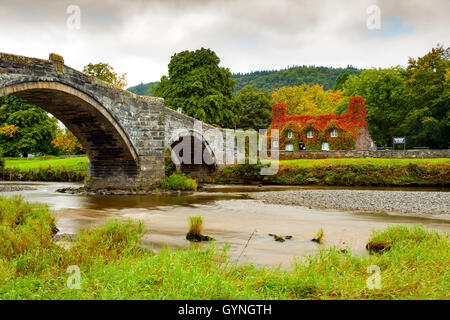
(125, 135)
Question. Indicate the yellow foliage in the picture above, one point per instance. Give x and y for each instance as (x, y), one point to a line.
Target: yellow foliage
(307, 100)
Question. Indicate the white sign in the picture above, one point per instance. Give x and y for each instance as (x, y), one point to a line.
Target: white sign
(399, 139)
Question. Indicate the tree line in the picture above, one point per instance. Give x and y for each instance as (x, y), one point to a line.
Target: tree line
(412, 101)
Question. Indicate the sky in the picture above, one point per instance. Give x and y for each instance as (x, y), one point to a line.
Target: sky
(138, 37)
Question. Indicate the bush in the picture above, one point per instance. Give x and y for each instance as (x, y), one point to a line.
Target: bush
(178, 182)
(2, 163)
(423, 174)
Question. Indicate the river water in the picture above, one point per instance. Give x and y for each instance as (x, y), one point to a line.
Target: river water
(230, 216)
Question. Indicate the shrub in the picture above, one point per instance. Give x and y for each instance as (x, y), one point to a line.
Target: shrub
(178, 182)
(2, 163)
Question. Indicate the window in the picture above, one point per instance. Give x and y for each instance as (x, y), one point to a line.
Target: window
(289, 147)
(275, 144)
(290, 134)
(325, 146)
(310, 134)
(333, 133)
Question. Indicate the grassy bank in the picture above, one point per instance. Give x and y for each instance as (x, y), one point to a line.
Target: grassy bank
(113, 265)
(338, 172)
(346, 172)
(45, 168)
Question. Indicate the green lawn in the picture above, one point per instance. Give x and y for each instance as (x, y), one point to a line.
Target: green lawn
(44, 162)
(308, 163)
(113, 265)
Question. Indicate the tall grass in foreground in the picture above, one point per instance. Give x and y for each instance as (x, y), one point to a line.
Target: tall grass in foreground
(114, 266)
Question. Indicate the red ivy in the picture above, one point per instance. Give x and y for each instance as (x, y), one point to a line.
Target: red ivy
(348, 126)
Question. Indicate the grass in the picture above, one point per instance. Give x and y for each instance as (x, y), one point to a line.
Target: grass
(113, 265)
(196, 229)
(195, 225)
(319, 236)
(178, 181)
(346, 172)
(79, 163)
(47, 168)
(339, 172)
(382, 162)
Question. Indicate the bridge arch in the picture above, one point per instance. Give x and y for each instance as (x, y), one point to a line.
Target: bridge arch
(111, 154)
(187, 139)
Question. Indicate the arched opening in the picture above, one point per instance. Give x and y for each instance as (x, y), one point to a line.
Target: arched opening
(112, 157)
(193, 156)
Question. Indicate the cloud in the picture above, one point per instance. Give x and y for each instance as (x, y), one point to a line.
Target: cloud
(138, 37)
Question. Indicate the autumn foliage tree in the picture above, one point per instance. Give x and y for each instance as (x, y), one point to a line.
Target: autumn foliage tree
(67, 143)
(25, 128)
(307, 100)
(105, 72)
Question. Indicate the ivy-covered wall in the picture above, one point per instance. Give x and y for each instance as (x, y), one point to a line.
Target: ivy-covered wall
(348, 127)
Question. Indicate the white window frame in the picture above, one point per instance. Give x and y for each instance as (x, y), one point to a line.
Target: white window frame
(289, 147)
(321, 148)
(333, 133)
(290, 135)
(310, 134)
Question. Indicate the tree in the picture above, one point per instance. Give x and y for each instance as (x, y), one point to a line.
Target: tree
(105, 72)
(26, 128)
(339, 85)
(253, 108)
(67, 143)
(428, 86)
(307, 100)
(384, 92)
(198, 86)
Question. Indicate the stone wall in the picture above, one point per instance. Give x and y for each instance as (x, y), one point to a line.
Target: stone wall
(393, 154)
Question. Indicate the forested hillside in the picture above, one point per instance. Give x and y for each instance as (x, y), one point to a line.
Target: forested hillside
(143, 89)
(271, 80)
(293, 76)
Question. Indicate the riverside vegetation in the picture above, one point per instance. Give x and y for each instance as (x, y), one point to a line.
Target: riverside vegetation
(114, 265)
(346, 172)
(337, 172)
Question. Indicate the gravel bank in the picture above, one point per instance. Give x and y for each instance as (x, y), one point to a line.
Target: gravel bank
(425, 202)
(15, 188)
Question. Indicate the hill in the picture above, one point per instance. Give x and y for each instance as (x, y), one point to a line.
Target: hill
(143, 89)
(292, 76)
(271, 80)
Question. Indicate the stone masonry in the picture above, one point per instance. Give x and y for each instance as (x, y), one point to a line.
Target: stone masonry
(125, 135)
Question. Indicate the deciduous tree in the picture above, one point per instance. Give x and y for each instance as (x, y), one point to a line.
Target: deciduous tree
(253, 108)
(198, 86)
(105, 72)
(26, 128)
(307, 100)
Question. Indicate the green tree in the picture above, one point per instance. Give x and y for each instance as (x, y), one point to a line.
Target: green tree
(198, 86)
(105, 72)
(35, 128)
(253, 108)
(388, 105)
(428, 86)
(339, 85)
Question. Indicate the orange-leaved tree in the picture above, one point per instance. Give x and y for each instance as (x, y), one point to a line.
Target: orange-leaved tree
(9, 130)
(67, 143)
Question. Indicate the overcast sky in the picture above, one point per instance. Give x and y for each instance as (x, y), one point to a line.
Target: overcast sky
(139, 37)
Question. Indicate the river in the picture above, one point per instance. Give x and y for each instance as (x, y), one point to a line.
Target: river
(230, 216)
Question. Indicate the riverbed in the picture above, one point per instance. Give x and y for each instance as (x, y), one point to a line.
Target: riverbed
(231, 215)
